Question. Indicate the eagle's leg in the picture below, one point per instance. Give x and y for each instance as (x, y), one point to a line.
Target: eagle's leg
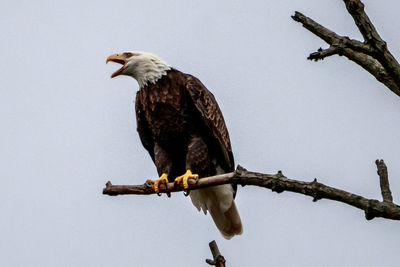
(163, 179)
(163, 163)
(197, 162)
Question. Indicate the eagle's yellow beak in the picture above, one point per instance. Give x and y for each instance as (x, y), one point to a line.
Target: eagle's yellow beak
(118, 58)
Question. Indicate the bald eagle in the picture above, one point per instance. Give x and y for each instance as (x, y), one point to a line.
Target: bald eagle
(182, 127)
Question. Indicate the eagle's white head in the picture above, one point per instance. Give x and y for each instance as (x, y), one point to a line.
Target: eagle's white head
(144, 67)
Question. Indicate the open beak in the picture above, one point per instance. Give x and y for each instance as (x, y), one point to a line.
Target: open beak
(118, 58)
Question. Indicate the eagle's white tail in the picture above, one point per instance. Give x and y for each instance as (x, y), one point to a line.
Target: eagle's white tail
(218, 200)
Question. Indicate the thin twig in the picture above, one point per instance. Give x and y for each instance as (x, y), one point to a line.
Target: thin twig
(384, 181)
(218, 260)
(323, 53)
(277, 183)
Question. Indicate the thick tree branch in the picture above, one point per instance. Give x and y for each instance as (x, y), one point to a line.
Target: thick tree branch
(371, 36)
(277, 183)
(372, 54)
(218, 260)
(364, 24)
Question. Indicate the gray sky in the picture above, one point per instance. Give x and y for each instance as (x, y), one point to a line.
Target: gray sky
(67, 128)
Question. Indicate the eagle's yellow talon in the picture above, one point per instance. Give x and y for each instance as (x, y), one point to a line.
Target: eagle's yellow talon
(163, 179)
(184, 178)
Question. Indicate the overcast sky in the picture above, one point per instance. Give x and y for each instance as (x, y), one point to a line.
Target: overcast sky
(67, 129)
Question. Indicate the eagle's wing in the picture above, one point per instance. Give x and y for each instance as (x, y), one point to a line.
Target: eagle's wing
(218, 200)
(142, 128)
(208, 108)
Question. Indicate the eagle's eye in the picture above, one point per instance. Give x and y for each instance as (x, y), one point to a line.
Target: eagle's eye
(127, 54)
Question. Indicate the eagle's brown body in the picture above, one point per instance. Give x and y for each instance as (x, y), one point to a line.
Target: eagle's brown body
(182, 127)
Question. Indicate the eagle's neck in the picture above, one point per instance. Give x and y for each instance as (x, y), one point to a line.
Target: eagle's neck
(151, 72)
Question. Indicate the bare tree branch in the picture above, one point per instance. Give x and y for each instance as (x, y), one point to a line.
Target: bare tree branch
(218, 260)
(323, 53)
(364, 24)
(371, 36)
(331, 37)
(277, 183)
(384, 181)
(372, 54)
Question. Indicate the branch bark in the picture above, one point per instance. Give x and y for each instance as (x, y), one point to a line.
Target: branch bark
(372, 54)
(278, 183)
(384, 181)
(218, 260)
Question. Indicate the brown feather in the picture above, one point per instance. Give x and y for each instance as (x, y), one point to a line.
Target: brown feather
(177, 107)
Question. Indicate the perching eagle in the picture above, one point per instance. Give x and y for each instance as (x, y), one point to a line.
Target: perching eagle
(181, 126)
